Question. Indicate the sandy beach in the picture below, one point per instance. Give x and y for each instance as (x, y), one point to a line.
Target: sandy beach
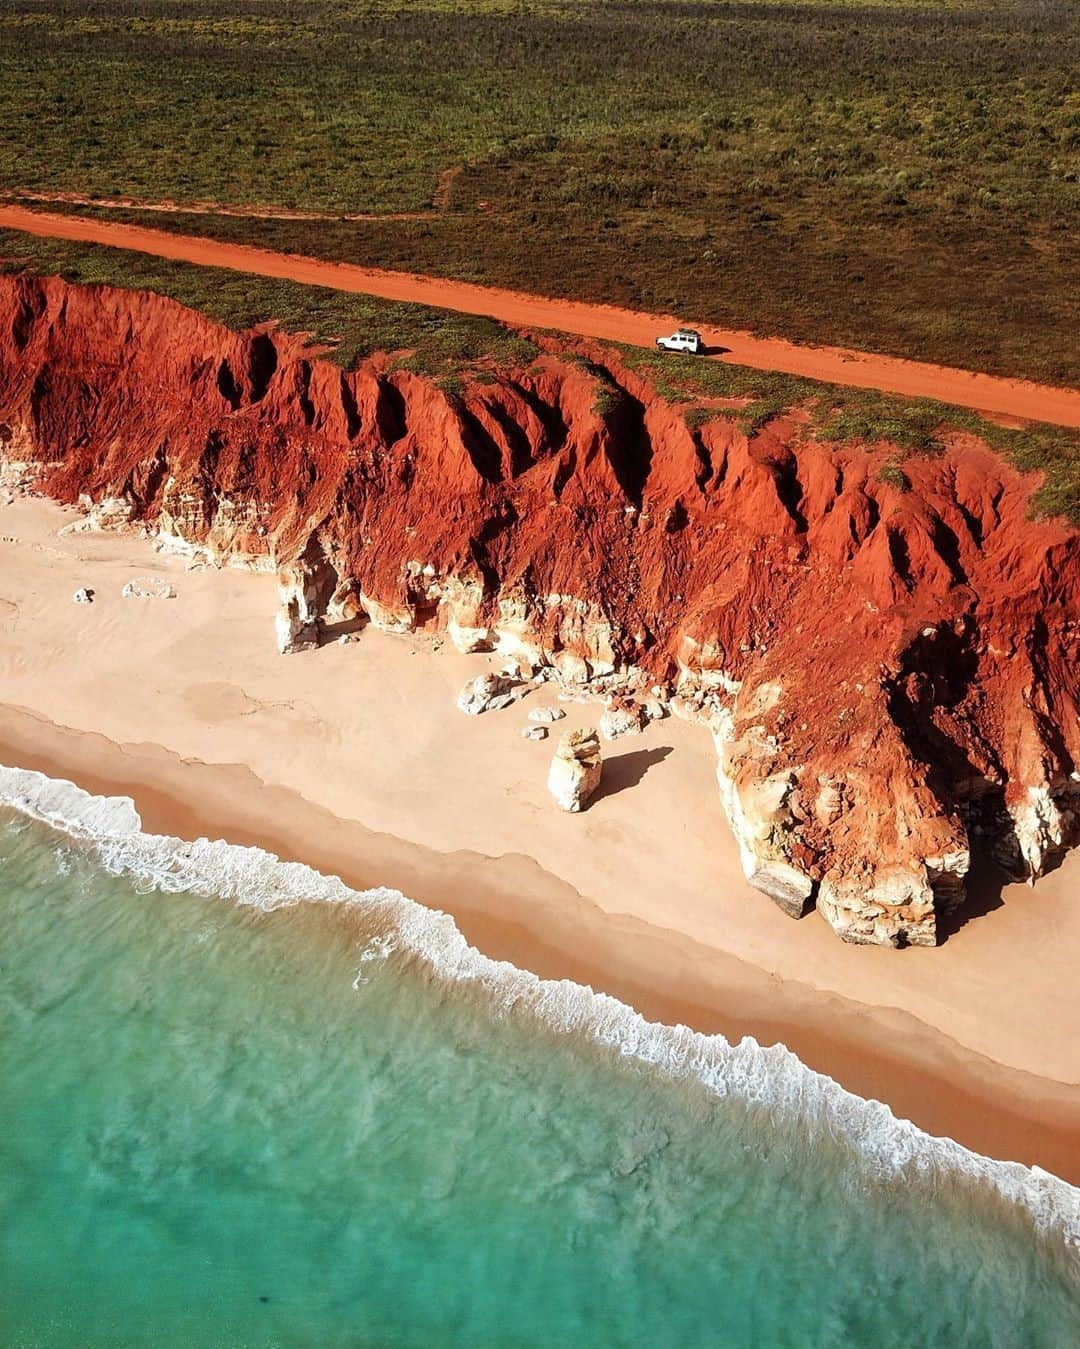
(354, 759)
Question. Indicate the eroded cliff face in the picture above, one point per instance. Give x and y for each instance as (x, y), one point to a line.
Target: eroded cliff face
(889, 675)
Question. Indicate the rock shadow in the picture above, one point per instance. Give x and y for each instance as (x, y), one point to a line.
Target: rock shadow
(627, 770)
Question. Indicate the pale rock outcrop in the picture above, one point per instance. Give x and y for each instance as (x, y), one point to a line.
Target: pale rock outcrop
(686, 708)
(386, 618)
(460, 602)
(311, 599)
(759, 812)
(572, 669)
(575, 769)
(148, 588)
(516, 668)
(894, 906)
(295, 623)
(1041, 828)
(291, 633)
(112, 513)
(622, 718)
(534, 732)
(514, 632)
(468, 639)
(485, 693)
(83, 596)
(544, 716)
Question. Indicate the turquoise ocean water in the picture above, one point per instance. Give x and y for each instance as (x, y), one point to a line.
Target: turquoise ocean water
(228, 1118)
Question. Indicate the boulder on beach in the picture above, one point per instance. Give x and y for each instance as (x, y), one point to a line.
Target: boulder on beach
(148, 588)
(575, 769)
(485, 693)
(544, 716)
(623, 718)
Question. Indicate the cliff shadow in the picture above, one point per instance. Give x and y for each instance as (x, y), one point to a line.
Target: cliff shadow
(627, 770)
(985, 882)
(330, 632)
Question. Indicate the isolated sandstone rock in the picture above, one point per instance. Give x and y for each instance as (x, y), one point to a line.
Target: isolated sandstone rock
(575, 769)
(534, 732)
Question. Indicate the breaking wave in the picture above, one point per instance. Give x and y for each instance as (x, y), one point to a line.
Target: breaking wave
(889, 1150)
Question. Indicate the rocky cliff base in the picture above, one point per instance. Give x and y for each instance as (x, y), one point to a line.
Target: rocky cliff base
(887, 660)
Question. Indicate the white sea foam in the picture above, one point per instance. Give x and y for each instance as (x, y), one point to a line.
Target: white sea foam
(891, 1150)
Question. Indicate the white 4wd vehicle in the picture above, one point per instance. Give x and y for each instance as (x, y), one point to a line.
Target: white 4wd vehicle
(686, 339)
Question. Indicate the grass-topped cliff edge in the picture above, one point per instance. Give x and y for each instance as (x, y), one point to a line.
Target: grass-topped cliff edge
(445, 345)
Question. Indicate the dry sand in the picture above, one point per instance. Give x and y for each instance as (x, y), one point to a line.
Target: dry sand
(354, 759)
(837, 365)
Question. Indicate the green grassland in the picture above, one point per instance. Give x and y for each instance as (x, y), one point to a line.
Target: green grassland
(446, 345)
(902, 177)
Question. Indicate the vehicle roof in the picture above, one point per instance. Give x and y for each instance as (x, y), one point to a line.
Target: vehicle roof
(687, 332)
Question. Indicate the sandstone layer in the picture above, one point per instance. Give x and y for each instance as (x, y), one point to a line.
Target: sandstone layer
(887, 663)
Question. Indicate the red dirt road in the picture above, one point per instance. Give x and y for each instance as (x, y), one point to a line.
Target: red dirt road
(889, 374)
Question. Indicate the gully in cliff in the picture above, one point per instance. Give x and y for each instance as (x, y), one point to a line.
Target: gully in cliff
(888, 672)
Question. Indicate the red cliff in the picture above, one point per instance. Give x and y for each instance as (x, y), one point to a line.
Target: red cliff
(888, 664)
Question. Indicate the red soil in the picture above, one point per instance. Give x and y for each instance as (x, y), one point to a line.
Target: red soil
(908, 660)
(889, 374)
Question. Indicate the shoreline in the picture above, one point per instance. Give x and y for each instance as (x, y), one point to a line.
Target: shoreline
(186, 706)
(511, 909)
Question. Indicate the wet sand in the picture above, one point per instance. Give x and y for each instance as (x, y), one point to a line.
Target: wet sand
(354, 760)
